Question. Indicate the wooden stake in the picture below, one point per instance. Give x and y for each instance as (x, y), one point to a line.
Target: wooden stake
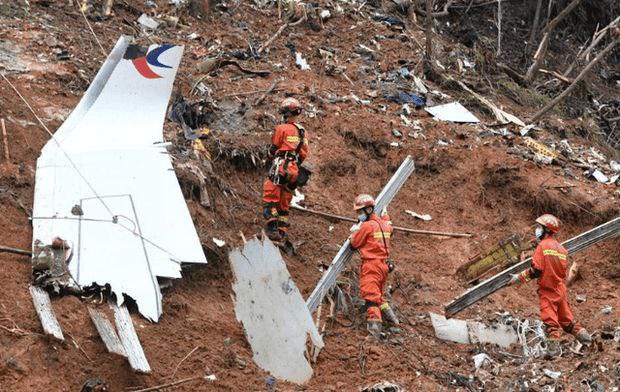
(15, 250)
(397, 228)
(5, 141)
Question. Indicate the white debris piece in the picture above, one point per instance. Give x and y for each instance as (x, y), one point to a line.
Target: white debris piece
(147, 22)
(453, 330)
(454, 112)
(481, 360)
(276, 320)
(218, 242)
(607, 310)
(419, 85)
(552, 374)
(131, 222)
(297, 198)
(615, 166)
(301, 62)
(468, 331)
(525, 130)
(325, 14)
(424, 217)
(599, 176)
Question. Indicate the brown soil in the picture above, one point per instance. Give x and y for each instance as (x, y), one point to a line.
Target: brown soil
(471, 185)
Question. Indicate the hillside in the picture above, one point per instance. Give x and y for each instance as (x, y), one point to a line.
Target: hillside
(475, 178)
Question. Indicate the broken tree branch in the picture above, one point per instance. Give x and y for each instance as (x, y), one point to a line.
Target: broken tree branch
(556, 75)
(397, 228)
(544, 43)
(277, 34)
(15, 250)
(5, 141)
(581, 75)
(598, 37)
(171, 384)
(181, 361)
(105, 54)
(269, 91)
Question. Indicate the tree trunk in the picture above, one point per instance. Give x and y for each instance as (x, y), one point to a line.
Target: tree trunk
(530, 42)
(542, 48)
(427, 63)
(581, 75)
(428, 56)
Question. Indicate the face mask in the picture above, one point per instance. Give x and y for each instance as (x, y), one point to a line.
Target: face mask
(538, 232)
(362, 217)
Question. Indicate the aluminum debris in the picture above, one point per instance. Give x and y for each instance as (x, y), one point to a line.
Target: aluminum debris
(273, 313)
(106, 331)
(472, 332)
(129, 339)
(43, 306)
(328, 280)
(454, 112)
(106, 184)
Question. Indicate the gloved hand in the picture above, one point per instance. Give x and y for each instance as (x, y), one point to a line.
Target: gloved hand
(356, 227)
(391, 266)
(514, 279)
(384, 211)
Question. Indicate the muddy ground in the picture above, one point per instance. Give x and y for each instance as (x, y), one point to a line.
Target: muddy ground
(465, 179)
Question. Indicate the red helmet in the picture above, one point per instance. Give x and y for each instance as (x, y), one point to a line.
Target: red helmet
(290, 105)
(550, 222)
(362, 201)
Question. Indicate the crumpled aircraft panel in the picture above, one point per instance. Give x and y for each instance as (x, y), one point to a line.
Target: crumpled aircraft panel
(105, 183)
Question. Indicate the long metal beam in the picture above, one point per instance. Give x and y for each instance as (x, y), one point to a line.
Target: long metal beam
(344, 254)
(496, 282)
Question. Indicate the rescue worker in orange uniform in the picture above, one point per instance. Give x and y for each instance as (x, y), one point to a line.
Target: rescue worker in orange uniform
(289, 148)
(549, 265)
(372, 237)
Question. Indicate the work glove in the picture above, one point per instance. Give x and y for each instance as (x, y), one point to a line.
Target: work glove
(356, 227)
(514, 280)
(391, 266)
(384, 211)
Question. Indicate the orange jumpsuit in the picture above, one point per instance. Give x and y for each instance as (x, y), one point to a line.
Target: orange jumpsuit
(278, 190)
(549, 265)
(373, 242)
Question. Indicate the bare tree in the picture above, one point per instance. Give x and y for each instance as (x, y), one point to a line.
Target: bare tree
(534, 30)
(581, 75)
(544, 43)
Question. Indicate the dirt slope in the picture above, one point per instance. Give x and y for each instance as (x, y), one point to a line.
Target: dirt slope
(469, 185)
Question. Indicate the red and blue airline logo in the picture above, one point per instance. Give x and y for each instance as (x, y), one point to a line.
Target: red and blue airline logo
(144, 61)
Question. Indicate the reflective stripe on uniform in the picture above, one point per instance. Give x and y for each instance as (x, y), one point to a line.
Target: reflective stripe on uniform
(378, 234)
(553, 252)
(292, 139)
